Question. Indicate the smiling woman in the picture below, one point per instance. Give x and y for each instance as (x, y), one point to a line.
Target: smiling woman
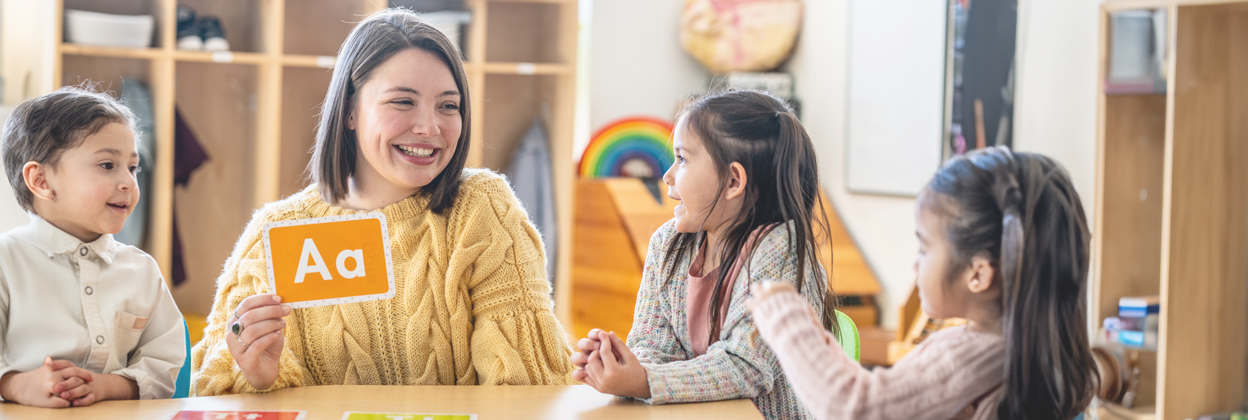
(472, 304)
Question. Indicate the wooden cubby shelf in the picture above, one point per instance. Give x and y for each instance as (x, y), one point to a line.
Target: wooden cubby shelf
(1172, 208)
(255, 108)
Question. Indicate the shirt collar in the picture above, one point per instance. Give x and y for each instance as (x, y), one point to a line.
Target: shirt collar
(53, 241)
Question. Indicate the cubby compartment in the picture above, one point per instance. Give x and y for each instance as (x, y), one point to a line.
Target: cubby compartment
(215, 205)
(512, 104)
(1172, 212)
(318, 27)
(104, 73)
(154, 8)
(303, 91)
(241, 20)
(519, 32)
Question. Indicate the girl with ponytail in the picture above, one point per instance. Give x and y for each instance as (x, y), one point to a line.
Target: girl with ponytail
(746, 177)
(1004, 244)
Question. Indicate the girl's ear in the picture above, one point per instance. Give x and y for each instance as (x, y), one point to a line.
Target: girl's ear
(981, 274)
(737, 181)
(36, 176)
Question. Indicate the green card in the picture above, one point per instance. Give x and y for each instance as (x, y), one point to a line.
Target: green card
(352, 415)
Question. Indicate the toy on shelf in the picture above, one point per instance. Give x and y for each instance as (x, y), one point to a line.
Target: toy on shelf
(634, 147)
(1137, 323)
(728, 36)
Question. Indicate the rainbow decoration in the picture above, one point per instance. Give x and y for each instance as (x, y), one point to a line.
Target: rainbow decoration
(635, 146)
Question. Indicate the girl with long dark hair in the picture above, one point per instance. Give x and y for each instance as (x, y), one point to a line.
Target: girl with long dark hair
(746, 177)
(1003, 243)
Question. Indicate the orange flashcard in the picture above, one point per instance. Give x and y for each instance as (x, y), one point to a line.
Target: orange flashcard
(329, 260)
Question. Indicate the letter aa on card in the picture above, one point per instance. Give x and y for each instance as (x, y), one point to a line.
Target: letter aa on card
(329, 260)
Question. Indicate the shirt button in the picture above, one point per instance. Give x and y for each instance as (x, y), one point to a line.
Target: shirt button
(99, 339)
(82, 251)
(89, 290)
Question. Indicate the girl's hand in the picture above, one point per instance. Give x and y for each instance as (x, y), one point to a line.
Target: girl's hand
(614, 369)
(766, 291)
(37, 388)
(258, 346)
(584, 347)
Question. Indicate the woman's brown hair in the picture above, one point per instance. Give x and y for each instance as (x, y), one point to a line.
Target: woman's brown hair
(760, 132)
(380, 36)
(1022, 210)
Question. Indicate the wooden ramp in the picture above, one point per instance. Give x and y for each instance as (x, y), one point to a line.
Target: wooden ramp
(613, 223)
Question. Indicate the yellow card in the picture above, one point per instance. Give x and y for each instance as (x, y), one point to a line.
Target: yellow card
(329, 260)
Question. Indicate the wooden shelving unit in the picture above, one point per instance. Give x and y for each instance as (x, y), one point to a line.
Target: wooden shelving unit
(1172, 208)
(254, 108)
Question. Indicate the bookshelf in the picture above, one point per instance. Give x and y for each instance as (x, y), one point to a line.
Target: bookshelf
(254, 108)
(1172, 208)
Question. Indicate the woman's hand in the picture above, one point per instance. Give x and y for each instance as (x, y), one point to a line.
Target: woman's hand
(614, 369)
(257, 346)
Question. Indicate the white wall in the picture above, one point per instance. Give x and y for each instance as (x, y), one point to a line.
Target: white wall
(25, 68)
(1056, 115)
(636, 65)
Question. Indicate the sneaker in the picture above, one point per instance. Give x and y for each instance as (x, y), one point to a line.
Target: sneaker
(188, 31)
(213, 34)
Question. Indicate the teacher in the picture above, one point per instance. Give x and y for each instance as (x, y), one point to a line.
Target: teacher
(472, 304)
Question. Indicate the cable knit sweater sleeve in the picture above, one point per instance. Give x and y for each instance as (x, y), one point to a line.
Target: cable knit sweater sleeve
(245, 274)
(515, 338)
(955, 372)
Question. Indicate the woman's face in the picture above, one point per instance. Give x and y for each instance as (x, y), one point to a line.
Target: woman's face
(406, 121)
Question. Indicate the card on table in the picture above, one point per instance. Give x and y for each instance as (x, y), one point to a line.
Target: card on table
(240, 415)
(352, 415)
(329, 260)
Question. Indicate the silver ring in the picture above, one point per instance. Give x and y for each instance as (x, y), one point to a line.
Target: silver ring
(240, 341)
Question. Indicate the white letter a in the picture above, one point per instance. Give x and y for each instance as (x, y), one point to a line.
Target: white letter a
(317, 266)
(355, 254)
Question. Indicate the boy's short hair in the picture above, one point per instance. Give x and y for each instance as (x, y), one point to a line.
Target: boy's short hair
(42, 129)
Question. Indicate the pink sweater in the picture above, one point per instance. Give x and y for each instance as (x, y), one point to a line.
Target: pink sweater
(954, 373)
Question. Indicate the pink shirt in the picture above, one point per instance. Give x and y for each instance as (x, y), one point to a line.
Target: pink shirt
(701, 287)
(954, 374)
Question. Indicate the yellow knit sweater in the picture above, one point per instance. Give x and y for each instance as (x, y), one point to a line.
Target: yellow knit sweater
(471, 304)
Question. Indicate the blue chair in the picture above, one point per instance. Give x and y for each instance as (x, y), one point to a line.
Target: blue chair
(183, 388)
(849, 339)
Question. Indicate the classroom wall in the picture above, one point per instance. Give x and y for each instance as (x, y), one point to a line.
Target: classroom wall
(645, 71)
(636, 65)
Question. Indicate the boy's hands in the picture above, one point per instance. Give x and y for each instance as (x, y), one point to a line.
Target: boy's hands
(42, 387)
(104, 387)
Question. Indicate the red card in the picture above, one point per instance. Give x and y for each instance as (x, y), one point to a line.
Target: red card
(240, 415)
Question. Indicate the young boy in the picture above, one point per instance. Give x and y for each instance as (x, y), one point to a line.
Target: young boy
(83, 318)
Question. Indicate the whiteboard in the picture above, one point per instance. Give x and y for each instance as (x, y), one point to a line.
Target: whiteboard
(896, 94)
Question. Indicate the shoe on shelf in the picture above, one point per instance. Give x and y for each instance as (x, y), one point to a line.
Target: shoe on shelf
(188, 31)
(213, 34)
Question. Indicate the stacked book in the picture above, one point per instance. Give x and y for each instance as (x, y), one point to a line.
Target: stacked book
(1136, 324)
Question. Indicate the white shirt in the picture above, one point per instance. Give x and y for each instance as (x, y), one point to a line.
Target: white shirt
(102, 305)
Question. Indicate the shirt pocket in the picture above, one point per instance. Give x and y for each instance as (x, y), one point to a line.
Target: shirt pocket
(127, 328)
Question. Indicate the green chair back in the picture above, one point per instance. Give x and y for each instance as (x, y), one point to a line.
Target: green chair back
(849, 336)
